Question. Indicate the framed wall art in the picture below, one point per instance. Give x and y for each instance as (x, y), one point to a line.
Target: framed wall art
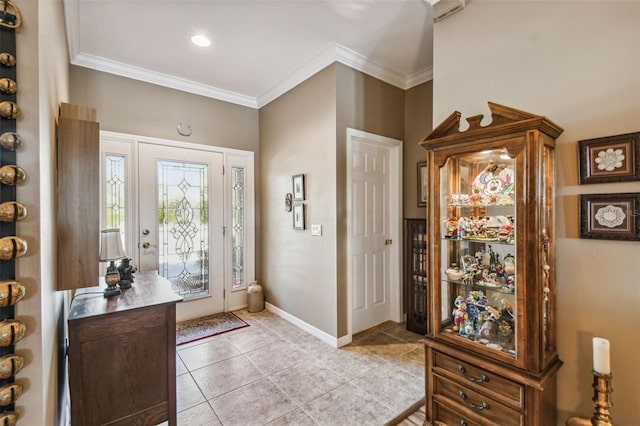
(298, 187)
(610, 216)
(298, 217)
(422, 184)
(610, 159)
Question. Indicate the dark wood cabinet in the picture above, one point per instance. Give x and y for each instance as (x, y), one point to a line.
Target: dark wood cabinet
(490, 347)
(415, 274)
(122, 354)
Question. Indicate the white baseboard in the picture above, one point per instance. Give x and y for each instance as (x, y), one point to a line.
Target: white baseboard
(237, 308)
(316, 332)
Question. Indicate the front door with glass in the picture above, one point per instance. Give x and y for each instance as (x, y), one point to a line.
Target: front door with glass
(180, 231)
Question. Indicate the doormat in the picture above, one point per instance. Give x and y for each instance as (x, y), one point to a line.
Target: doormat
(201, 328)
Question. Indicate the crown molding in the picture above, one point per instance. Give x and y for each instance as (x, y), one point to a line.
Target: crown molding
(166, 80)
(350, 58)
(361, 63)
(419, 78)
(315, 65)
(335, 53)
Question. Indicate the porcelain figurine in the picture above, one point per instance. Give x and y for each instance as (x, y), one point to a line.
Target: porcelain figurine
(454, 273)
(459, 314)
(452, 226)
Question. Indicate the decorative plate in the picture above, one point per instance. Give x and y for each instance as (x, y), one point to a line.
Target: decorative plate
(494, 180)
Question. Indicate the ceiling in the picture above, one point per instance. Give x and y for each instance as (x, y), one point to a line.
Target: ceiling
(260, 48)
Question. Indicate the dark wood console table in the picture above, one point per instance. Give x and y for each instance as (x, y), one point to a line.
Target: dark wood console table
(122, 354)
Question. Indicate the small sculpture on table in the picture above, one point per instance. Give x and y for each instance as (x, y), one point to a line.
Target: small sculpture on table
(126, 273)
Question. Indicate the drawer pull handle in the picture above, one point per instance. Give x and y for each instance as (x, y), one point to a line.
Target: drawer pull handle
(482, 406)
(481, 379)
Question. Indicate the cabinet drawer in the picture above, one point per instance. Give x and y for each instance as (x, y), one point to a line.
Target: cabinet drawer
(470, 400)
(443, 416)
(470, 374)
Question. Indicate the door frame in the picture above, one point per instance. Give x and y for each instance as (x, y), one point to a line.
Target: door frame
(395, 222)
(233, 299)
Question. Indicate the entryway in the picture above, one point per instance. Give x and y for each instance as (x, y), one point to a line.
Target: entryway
(186, 211)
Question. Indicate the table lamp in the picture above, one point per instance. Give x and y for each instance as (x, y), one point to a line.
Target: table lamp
(111, 249)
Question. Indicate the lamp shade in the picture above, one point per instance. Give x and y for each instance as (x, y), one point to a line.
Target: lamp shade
(111, 245)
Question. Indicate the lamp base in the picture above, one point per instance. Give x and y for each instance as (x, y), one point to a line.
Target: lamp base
(111, 278)
(111, 291)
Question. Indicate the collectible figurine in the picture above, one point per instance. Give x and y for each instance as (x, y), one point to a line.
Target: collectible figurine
(126, 273)
(452, 226)
(459, 314)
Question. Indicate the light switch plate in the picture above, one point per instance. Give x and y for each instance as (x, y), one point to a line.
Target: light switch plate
(316, 230)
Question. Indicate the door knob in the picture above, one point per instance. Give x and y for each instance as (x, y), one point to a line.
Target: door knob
(146, 245)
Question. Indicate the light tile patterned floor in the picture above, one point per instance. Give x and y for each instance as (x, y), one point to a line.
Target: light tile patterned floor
(273, 373)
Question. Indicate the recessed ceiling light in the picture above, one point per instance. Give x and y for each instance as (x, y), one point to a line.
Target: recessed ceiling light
(200, 40)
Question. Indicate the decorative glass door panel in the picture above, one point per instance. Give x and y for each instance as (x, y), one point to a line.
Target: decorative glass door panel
(183, 227)
(115, 192)
(478, 251)
(238, 244)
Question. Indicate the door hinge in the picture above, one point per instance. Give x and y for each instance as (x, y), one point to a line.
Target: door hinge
(388, 242)
(223, 169)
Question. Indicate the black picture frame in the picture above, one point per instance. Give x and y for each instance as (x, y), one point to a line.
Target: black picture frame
(610, 159)
(298, 187)
(610, 216)
(422, 184)
(298, 217)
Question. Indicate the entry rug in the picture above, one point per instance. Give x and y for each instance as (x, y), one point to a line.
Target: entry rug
(201, 328)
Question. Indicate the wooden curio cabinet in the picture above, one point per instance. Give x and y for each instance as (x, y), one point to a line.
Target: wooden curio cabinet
(491, 347)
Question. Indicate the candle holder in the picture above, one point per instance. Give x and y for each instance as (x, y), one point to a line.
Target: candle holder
(602, 401)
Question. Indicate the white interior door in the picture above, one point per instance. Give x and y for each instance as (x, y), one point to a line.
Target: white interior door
(370, 234)
(180, 232)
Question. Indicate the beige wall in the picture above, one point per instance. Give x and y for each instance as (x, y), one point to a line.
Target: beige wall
(297, 135)
(418, 123)
(294, 139)
(368, 104)
(42, 82)
(131, 106)
(578, 63)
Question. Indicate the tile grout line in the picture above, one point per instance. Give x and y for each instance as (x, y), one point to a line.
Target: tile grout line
(311, 356)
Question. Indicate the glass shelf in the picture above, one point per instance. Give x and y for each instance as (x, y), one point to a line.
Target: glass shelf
(480, 240)
(483, 285)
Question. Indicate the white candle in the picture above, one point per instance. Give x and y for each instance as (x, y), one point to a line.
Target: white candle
(601, 361)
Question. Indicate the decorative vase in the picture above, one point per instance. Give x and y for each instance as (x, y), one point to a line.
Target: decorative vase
(454, 273)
